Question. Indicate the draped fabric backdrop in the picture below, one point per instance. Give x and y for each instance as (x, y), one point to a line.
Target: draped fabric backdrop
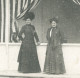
(2, 20)
(16, 9)
(10, 11)
(77, 2)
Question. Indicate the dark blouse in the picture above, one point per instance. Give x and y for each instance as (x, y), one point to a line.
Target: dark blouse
(57, 36)
(29, 33)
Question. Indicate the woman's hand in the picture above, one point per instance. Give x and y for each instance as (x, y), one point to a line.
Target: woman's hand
(38, 43)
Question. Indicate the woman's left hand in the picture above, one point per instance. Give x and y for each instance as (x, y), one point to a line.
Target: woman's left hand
(38, 43)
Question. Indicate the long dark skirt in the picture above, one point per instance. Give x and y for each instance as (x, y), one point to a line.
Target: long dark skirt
(28, 59)
(54, 63)
(28, 68)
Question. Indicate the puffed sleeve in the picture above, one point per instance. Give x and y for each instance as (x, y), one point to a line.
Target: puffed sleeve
(35, 35)
(20, 33)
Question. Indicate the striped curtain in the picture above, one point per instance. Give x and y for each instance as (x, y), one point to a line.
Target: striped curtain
(77, 2)
(25, 5)
(18, 9)
(2, 20)
(10, 11)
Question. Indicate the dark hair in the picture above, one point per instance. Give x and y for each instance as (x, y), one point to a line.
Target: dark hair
(54, 19)
(29, 15)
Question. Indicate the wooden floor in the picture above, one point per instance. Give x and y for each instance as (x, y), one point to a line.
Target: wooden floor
(40, 75)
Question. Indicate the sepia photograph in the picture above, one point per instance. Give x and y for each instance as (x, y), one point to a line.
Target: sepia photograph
(39, 38)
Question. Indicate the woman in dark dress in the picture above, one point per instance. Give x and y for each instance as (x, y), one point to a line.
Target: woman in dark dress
(27, 58)
(54, 63)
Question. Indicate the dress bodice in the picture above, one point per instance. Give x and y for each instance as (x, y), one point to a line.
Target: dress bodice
(29, 33)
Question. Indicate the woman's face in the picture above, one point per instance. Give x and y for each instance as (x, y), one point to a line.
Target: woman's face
(53, 23)
(28, 21)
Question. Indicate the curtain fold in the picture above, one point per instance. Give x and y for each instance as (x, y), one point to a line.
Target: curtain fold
(77, 2)
(21, 7)
(16, 11)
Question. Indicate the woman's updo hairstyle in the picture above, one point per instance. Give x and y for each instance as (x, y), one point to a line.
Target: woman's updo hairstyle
(54, 19)
(29, 15)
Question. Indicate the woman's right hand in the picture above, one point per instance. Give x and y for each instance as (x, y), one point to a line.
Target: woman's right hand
(38, 43)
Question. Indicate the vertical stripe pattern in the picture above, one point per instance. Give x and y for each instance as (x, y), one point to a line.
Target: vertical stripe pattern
(7, 21)
(10, 11)
(21, 7)
(2, 19)
(11, 20)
